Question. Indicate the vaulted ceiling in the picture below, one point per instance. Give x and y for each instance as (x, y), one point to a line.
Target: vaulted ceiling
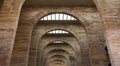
(60, 3)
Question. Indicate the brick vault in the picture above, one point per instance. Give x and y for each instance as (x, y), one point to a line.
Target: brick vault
(59, 33)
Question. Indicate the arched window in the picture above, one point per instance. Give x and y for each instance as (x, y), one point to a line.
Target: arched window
(58, 16)
(58, 41)
(58, 32)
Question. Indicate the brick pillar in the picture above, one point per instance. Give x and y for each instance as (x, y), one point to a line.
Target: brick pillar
(110, 13)
(9, 16)
(21, 46)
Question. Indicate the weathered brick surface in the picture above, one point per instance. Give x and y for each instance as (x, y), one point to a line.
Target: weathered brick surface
(110, 10)
(88, 16)
(23, 20)
(44, 41)
(9, 15)
(40, 32)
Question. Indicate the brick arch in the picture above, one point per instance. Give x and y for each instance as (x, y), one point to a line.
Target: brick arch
(66, 44)
(72, 45)
(66, 55)
(51, 40)
(66, 49)
(16, 7)
(82, 20)
(54, 57)
(35, 18)
(56, 54)
(12, 33)
(45, 52)
(56, 51)
(109, 10)
(51, 52)
(57, 60)
(65, 41)
(7, 10)
(16, 10)
(59, 56)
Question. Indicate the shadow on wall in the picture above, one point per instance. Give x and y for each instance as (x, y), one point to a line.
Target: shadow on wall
(1, 3)
(107, 54)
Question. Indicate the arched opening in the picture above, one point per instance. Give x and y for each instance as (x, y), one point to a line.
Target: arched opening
(57, 31)
(58, 17)
(52, 21)
(28, 20)
(49, 23)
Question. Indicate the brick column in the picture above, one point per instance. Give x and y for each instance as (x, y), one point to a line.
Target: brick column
(110, 13)
(21, 46)
(9, 16)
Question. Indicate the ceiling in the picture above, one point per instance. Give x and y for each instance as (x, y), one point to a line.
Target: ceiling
(1, 3)
(59, 3)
